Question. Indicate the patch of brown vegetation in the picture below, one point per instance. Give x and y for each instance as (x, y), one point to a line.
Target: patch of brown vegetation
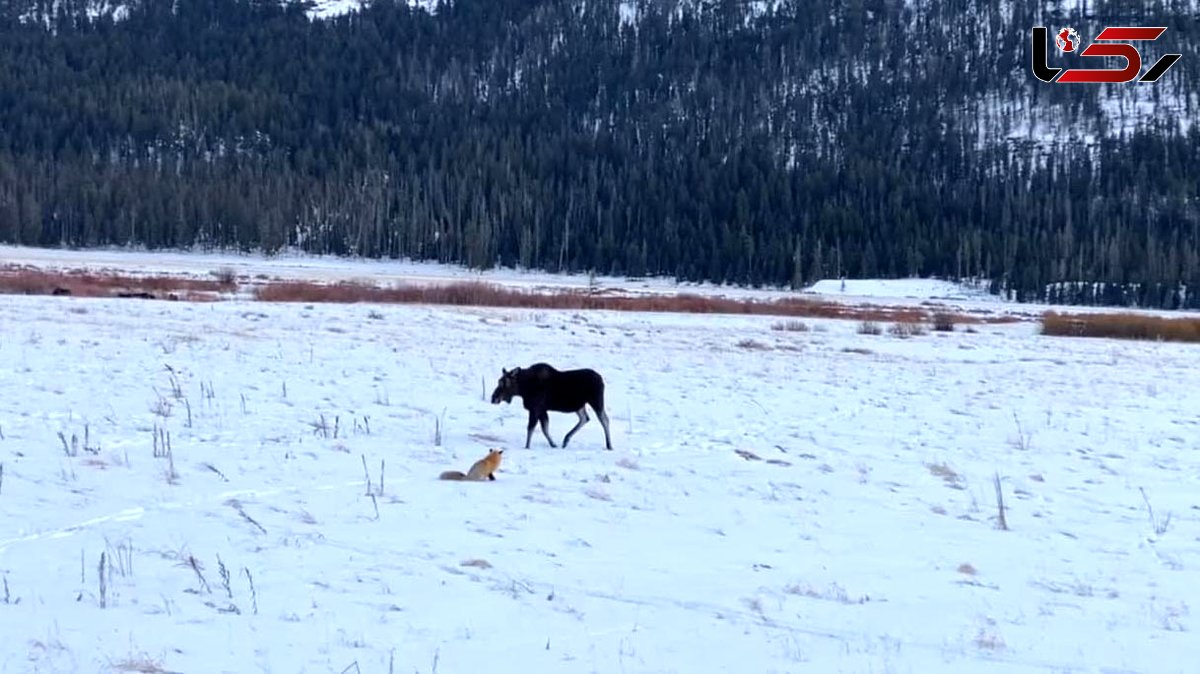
(27, 280)
(478, 293)
(1122, 326)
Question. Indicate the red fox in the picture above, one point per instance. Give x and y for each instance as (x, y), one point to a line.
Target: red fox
(483, 468)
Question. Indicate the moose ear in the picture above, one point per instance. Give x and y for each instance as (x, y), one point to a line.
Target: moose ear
(503, 372)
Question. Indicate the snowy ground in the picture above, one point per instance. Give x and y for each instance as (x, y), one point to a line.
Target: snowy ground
(863, 537)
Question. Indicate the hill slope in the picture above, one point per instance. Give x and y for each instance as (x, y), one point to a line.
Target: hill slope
(724, 141)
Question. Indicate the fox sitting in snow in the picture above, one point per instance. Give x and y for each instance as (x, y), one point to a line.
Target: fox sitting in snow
(483, 468)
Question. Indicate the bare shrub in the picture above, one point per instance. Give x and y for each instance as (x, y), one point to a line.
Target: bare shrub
(943, 321)
(869, 328)
(906, 329)
(226, 276)
(1122, 326)
(791, 326)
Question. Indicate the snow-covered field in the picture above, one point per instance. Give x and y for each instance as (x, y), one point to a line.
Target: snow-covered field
(777, 501)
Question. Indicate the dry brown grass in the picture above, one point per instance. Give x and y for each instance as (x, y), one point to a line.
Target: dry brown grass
(143, 665)
(17, 279)
(1122, 326)
(478, 293)
(25, 280)
(948, 474)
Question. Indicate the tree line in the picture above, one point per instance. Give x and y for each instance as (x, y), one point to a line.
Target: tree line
(725, 141)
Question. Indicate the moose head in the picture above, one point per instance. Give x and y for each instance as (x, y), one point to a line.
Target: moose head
(507, 387)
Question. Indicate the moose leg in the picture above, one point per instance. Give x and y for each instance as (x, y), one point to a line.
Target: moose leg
(583, 419)
(604, 422)
(546, 429)
(533, 419)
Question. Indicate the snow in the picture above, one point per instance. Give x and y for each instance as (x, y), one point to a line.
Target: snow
(910, 288)
(323, 9)
(319, 9)
(863, 537)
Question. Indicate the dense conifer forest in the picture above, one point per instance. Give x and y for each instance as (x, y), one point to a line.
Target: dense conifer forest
(720, 140)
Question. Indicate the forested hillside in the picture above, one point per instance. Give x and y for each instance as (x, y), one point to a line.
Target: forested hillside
(721, 140)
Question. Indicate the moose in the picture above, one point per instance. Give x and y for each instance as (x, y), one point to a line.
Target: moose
(544, 389)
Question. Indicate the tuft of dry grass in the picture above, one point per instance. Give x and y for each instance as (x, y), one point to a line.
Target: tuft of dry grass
(833, 592)
(142, 665)
(967, 569)
(987, 639)
(753, 345)
(1122, 326)
(948, 475)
